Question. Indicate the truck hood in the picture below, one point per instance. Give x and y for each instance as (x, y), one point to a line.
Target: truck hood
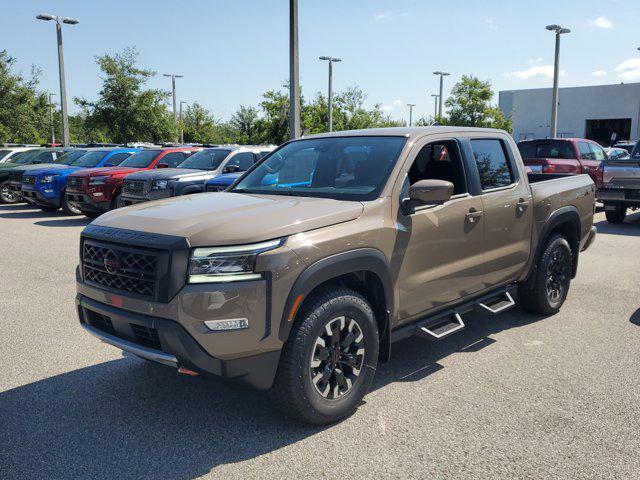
(100, 171)
(170, 174)
(211, 219)
(28, 168)
(57, 170)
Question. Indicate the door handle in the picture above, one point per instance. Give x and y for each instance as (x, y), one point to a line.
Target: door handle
(474, 215)
(522, 205)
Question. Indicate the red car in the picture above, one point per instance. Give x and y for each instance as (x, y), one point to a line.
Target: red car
(97, 190)
(562, 155)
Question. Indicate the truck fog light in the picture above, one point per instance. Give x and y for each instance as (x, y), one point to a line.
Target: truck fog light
(48, 190)
(232, 324)
(97, 194)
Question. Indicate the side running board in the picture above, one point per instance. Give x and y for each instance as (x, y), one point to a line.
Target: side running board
(498, 304)
(444, 328)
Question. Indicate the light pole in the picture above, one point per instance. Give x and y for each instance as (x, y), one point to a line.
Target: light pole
(330, 96)
(181, 125)
(175, 112)
(556, 71)
(63, 88)
(53, 129)
(411, 105)
(435, 104)
(442, 74)
(294, 72)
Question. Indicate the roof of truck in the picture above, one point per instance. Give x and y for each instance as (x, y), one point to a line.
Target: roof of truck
(401, 131)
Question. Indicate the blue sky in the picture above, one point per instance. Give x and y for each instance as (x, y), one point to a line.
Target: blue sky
(231, 51)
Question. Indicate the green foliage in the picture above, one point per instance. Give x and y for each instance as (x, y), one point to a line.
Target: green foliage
(24, 112)
(470, 106)
(124, 111)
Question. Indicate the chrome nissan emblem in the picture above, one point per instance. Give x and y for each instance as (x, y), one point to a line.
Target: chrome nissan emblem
(111, 262)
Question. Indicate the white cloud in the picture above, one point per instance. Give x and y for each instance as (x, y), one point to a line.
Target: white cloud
(388, 108)
(599, 73)
(488, 23)
(538, 71)
(629, 70)
(601, 22)
(397, 103)
(533, 61)
(389, 15)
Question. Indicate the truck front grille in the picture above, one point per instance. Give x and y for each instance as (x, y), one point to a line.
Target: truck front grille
(120, 268)
(75, 183)
(146, 336)
(133, 187)
(16, 176)
(216, 188)
(28, 180)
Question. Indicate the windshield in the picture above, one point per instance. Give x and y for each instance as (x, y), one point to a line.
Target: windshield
(547, 149)
(90, 159)
(141, 159)
(26, 157)
(4, 153)
(208, 159)
(342, 168)
(69, 157)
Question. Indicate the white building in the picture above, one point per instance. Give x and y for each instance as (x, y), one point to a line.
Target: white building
(594, 112)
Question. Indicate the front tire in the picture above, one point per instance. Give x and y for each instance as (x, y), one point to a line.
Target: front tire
(330, 358)
(618, 215)
(553, 278)
(68, 208)
(6, 195)
(116, 202)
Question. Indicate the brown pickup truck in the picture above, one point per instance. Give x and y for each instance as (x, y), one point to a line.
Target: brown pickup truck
(301, 275)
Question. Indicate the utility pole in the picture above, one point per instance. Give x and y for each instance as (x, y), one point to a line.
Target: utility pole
(53, 127)
(181, 124)
(63, 89)
(175, 111)
(294, 72)
(435, 104)
(556, 71)
(442, 75)
(411, 105)
(330, 96)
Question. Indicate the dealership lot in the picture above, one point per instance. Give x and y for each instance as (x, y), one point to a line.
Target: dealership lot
(513, 395)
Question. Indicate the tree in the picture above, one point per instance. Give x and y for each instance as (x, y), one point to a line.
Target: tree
(24, 112)
(470, 106)
(124, 110)
(246, 125)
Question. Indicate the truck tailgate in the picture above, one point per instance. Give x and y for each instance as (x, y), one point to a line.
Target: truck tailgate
(562, 191)
(621, 174)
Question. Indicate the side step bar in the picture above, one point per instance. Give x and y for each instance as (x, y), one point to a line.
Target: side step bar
(498, 304)
(443, 329)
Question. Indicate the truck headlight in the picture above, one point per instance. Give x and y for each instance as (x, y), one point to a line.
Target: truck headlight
(98, 180)
(159, 184)
(227, 264)
(48, 178)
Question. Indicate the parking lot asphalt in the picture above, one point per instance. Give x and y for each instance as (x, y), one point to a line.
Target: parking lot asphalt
(513, 396)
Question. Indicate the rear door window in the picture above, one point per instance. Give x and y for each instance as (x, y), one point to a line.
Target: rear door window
(117, 158)
(243, 160)
(173, 159)
(597, 153)
(492, 162)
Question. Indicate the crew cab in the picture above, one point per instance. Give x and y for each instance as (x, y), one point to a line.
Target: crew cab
(97, 190)
(28, 157)
(303, 273)
(46, 187)
(562, 155)
(190, 176)
(618, 182)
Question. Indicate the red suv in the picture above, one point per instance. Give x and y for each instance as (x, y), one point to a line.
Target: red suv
(97, 190)
(562, 155)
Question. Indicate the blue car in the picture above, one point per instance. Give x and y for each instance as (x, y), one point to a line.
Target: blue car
(221, 182)
(45, 187)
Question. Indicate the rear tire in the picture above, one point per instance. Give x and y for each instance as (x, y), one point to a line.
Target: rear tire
(552, 281)
(116, 202)
(6, 195)
(330, 358)
(618, 215)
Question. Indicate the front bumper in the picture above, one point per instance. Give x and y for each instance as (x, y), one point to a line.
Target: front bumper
(41, 196)
(86, 203)
(148, 197)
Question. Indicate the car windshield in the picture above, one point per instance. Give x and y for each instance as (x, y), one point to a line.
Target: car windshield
(208, 159)
(342, 168)
(547, 149)
(141, 159)
(70, 157)
(26, 157)
(4, 153)
(90, 159)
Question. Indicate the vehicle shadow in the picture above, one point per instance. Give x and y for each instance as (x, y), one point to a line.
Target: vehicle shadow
(133, 419)
(79, 221)
(635, 318)
(631, 226)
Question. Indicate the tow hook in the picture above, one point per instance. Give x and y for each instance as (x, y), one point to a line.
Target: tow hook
(186, 371)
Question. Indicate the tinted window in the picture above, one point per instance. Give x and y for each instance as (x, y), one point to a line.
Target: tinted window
(141, 159)
(173, 159)
(597, 153)
(23, 157)
(117, 158)
(492, 163)
(4, 153)
(264, 153)
(438, 161)
(90, 159)
(585, 151)
(208, 159)
(45, 157)
(546, 149)
(70, 157)
(344, 168)
(243, 160)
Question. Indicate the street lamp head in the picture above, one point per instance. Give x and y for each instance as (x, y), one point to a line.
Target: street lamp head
(444, 74)
(46, 16)
(330, 59)
(564, 30)
(70, 21)
(553, 28)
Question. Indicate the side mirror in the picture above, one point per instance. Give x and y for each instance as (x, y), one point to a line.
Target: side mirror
(231, 169)
(162, 165)
(428, 192)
